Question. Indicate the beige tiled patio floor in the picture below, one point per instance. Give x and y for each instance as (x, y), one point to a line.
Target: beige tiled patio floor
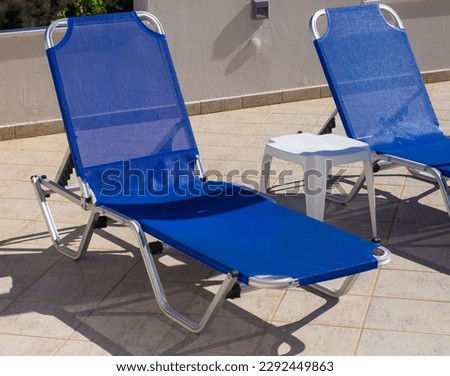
(103, 304)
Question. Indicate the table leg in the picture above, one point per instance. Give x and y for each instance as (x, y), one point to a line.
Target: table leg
(265, 172)
(315, 170)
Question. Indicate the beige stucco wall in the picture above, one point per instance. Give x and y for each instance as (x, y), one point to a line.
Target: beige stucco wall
(211, 46)
(210, 42)
(26, 91)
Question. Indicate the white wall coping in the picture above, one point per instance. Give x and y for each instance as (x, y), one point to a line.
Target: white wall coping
(22, 32)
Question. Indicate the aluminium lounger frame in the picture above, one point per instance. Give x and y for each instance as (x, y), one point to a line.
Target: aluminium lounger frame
(45, 187)
(416, 169)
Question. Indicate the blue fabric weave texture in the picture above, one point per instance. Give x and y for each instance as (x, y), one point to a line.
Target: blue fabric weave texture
(118, 87)
(131, 140)
(377, 86)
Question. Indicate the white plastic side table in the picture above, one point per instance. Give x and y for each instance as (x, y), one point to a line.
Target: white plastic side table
(316, 154)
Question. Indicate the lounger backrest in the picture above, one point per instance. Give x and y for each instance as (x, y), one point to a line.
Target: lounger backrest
(119, 96)
(374, 78)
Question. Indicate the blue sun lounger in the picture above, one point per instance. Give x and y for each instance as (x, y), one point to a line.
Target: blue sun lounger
(379, 92)
(134, 153)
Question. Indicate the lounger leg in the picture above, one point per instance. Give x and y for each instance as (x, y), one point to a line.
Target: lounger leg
(442, 183)
(371, 197)
(341, 199)
(53, 230)
(383, 256)
(155, 280)
(433, 175)
(335, 293)
(424, 172)
(152, 271)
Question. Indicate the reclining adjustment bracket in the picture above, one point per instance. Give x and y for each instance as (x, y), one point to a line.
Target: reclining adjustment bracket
(376, 167)
(235, 292)
(102, 222)
(65, 170)
(330, 124)
(156, 247)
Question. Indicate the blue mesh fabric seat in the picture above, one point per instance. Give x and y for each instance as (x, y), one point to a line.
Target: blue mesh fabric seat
(379, 92)
(133, 149)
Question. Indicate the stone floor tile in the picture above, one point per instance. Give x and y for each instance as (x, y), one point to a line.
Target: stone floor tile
(80, 290)
(213, 168)
(34, 233)
(424, 245)
(124, 328)
(257, 141)
(20, 257)
(249, 154)
(222, 153)
(103, 304)
(14, 283)
(6, 185)
(39, 319)
(19, 190)
(443, 114)
(221, 139)
(52, 142)
(299, 306)
(98, 262)
(242, 116)
(138, 295)
(23, 208)
(225, 335)
(4, 302)
(385, 192)
(427, 195)
(395, 177)
(445, 126)
(198, 122)
(16, 345)
(316, 107)
(420, 285)
(274, 130)
(234, 168)
(17, 172)
(292, 119)
(8, 227)
(105, 348)
(413, 212)
(28, 157)
(420, 258)
(309, 340)
(234, 128)
(87, 348)
(388, 343)
(409, 315)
